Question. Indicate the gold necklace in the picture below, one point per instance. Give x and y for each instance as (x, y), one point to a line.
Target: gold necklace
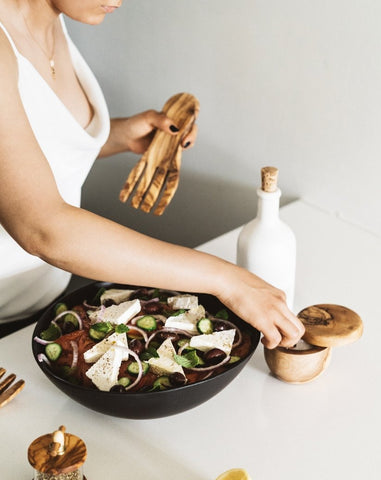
(49, 57)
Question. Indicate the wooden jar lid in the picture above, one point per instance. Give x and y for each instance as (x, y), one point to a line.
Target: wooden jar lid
(71, 458)
(330, 325)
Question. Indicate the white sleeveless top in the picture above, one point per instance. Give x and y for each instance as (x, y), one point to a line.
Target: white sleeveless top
(27, 283)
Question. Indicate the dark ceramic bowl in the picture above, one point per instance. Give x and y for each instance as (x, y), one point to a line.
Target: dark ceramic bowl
(144, 404)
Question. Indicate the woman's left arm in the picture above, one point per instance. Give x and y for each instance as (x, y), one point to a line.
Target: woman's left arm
(134, 134)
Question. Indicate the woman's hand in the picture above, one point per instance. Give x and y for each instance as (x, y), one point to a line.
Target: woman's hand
(141, 127)
(263, 306)
(135, 133)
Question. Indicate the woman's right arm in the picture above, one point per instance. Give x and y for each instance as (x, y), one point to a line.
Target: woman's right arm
(71, 238)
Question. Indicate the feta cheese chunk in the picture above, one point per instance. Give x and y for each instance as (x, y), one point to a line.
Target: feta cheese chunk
(183, 301)
(117, 295)
(104, 373)
(94, 354)
(187, 321)
(222, 340)
(165, 363)
(117, 314)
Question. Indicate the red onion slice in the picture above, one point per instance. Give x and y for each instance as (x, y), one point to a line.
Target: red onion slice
(41, 357)
(140, 330)
(41, 341)
(211, 367)
(74, 346)
(139, 362)
(72, 312)
(168, 330)
(181, 349)
(133, 320)
(147, 302)
(87, 305)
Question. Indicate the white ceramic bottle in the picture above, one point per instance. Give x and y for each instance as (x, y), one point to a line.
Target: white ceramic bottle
(266, 245)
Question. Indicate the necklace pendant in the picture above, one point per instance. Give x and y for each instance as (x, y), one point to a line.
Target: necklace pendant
(52, 68)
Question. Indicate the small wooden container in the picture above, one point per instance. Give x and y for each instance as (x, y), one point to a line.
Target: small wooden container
(326, 326)
(57, 456)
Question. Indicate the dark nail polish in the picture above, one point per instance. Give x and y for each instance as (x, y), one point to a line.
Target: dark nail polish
(173, 129)
(187, 145)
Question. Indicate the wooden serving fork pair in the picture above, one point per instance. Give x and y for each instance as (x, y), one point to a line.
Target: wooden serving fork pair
(7, 390)
(157, 172)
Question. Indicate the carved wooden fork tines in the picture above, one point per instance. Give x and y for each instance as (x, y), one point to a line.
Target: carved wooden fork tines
(157, 172)
(7, 390)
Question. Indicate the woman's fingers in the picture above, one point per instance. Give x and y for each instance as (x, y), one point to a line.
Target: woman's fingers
(271, 337)
(190, 139)
(291, 333)
(162, 122)
(285, 331)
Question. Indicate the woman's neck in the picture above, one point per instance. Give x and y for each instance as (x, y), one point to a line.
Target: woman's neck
(40, 15)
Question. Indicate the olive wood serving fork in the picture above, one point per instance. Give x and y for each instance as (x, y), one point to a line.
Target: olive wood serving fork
(155, 177)
(8, 392)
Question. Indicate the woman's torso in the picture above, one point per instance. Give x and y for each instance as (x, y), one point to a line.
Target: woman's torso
(57, 117)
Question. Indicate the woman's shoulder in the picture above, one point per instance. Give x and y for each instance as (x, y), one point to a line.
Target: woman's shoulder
(6, 48)
(9, 93)
(8, 59)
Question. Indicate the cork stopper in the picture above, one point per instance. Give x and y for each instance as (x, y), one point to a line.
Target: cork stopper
(269, 179)
(57, 453)
(57, 446)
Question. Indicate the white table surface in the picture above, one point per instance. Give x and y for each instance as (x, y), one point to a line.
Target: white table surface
(323, 430)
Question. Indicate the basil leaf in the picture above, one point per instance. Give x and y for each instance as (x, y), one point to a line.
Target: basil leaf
(104, 327)
(152, 351)
(178, 312)
(189, 360)
(223, 314)
(121, 328)
(149, 353)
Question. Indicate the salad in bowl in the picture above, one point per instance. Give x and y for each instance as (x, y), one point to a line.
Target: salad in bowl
(129, 342)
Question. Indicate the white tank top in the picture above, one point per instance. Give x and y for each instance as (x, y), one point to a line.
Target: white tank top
(27, 283)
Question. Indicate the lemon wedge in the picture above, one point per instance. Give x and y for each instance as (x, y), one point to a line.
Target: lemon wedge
(234, 474)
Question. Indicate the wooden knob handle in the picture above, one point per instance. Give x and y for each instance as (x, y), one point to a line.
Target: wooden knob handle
(57, 447)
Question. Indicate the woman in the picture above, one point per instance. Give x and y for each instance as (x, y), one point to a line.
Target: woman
(56, 124)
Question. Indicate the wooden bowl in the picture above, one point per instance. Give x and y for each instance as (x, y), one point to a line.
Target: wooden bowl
(297, 366)
(326, 326)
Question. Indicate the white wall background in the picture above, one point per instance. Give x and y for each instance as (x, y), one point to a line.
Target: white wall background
(290, 83)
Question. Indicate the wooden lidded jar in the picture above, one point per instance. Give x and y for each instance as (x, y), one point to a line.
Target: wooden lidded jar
(57, 456)
(326, 326)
